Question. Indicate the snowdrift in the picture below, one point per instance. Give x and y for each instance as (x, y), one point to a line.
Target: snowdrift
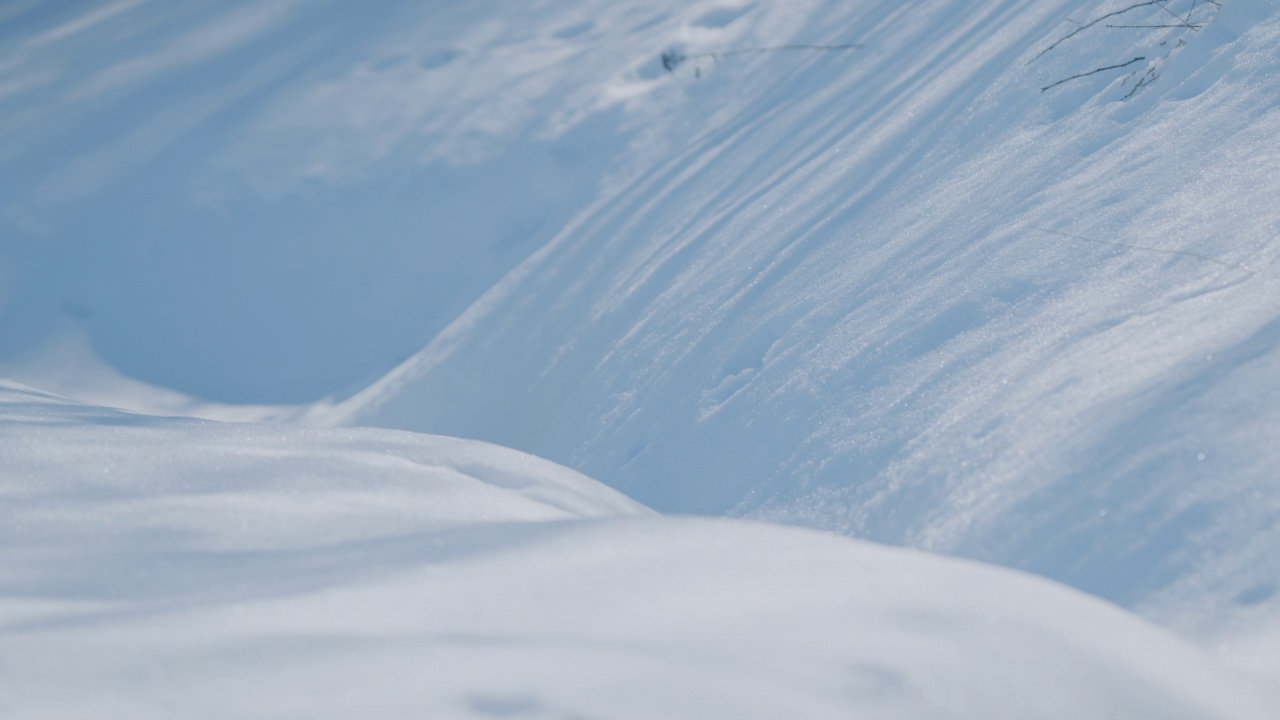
(989, 285)
(156, 567)
(990, 279)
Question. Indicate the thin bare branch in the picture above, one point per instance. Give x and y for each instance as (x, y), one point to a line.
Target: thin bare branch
(1176, 15)
(1092, 72)
(1193, 27)
(1090, 24)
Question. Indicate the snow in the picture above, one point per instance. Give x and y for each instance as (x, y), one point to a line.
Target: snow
(149, 148)
(155, 567)
(903, 294)
(998, 284)
(245, 486)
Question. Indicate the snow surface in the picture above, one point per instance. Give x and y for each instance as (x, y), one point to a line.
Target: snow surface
(904, 294)
(999, 283)
(159, 567)
(275, 200)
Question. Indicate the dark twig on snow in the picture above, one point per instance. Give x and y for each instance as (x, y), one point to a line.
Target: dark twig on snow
(1149, 77)
(1184, 23)
(1150, 24)
(672, 59)
(1090, 24)
(1195, 3)
(1092, 72)
(1193, 27)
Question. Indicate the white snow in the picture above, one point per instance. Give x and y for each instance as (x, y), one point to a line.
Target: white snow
(216, 486)
(159, 567)
(906, 295)
(999, 283)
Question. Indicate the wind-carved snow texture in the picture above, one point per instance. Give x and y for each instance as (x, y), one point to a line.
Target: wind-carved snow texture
(998, 283)
(906, 295)
(157, 567)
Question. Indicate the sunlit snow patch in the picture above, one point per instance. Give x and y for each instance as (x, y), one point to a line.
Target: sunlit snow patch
(157, 568)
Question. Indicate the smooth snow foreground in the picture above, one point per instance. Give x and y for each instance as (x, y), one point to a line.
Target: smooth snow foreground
(168, 568)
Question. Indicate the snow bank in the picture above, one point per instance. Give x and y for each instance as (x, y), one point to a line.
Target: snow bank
(999, 283)
(925, 293)
(160, 485)
(158, 568)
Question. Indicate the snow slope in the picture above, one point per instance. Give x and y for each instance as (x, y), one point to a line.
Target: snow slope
(270, 201)
(158, 567)
(906, 294)
(998, 283)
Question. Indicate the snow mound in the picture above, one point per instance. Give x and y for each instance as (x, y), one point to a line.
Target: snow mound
(158, 568)
(75, 473)
(994, 279)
